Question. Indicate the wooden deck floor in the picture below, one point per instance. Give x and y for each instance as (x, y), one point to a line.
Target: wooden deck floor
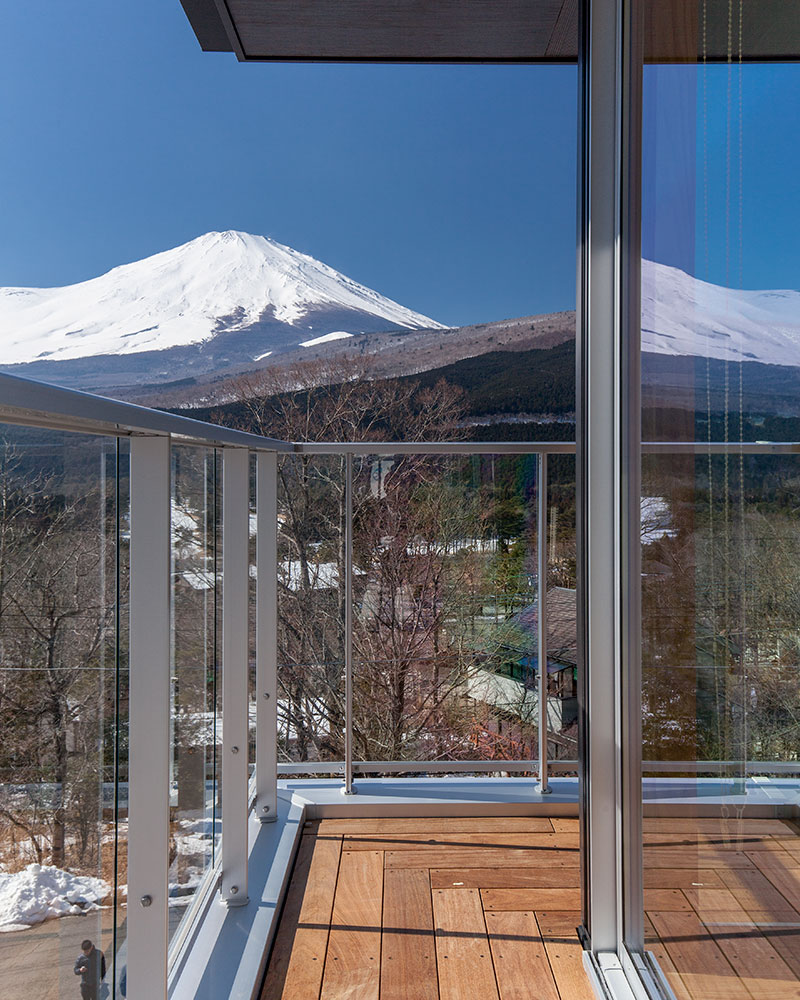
(432, 909)
(486, 909)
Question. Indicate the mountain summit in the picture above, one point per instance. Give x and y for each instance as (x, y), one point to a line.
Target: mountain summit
(221, 300)
(224, 302)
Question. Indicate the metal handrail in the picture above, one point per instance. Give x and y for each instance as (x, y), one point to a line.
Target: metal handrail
(434, 447)
(39, 404)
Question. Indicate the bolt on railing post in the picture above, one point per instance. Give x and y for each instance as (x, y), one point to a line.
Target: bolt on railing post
(543, 787)
(267, 636)
(348, 788)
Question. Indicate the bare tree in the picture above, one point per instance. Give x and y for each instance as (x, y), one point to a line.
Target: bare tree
(339, 401)
(54, 623)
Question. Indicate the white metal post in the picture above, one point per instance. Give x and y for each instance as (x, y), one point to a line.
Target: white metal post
(267, 636)
(541, 542)
(235, 587)
(148, 718)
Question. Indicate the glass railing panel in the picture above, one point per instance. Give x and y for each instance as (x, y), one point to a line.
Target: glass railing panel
(63, 709)
(311, 516)
(445, 609)
(195, 677)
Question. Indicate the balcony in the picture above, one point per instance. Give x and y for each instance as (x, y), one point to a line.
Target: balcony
(146, 555)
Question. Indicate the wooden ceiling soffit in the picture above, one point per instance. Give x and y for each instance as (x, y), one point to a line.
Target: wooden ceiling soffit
(482, 30)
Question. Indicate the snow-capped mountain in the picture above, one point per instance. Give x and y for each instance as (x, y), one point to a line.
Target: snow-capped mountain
(222, 299)
(225, 302)
(682, 315)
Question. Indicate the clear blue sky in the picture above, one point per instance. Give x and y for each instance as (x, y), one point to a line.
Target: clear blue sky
(696, 188)
(450, 189)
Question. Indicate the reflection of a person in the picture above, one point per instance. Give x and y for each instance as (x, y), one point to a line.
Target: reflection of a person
(90, 965)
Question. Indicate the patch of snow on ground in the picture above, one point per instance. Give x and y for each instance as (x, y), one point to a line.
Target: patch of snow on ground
(338, 335)
(41, 892)
(196, 835)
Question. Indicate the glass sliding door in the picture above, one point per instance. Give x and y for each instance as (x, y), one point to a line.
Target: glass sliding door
(720, 522)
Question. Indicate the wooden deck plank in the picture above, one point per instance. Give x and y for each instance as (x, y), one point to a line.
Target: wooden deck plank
(682, 878)
(434, 841)
(654, 944)
(759, 966)
(767, 860)
(665, 899)
(565, 824)
(708, 901)
(520, 960)
(564, 952)
(531, 899)
(784, 936)
(506, 878)
(397, 825)
(298, 958)
(754, 891)
(704, 969)
(408, 955)
(482, 857)
(290, 916)
(353, 962)
(462, 946)
(786, 881)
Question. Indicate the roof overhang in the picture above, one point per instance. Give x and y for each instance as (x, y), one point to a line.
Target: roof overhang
(476, 30)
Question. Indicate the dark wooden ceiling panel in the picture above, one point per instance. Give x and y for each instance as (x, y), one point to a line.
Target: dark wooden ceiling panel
(395, 29)
(484, 30)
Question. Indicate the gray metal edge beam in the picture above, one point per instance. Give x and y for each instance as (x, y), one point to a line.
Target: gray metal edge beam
(207, 25)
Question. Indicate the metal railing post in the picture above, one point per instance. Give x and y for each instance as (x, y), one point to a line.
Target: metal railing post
(348, 788)
(235, 586)
(148, 718)
(267, 636)
(543, 787)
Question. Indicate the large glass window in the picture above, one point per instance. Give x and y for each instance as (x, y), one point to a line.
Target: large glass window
(720, 531)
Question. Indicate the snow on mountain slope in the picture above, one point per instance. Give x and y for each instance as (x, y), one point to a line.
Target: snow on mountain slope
(682, 315)
(217, 283)
(325, 338)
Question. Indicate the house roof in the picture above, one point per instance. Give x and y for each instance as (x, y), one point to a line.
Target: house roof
(474, 30)
(562, 635)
